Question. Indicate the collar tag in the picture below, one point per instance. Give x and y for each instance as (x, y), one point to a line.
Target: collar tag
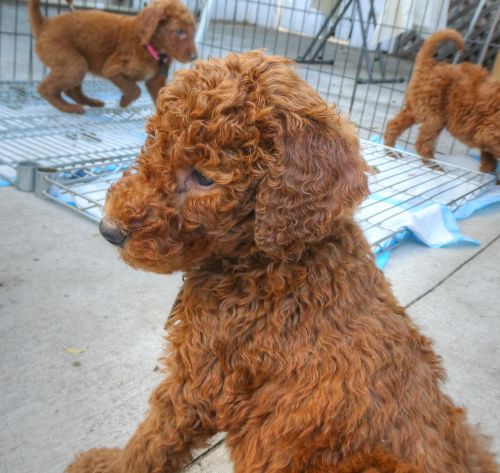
(162, 59)
(164, 65)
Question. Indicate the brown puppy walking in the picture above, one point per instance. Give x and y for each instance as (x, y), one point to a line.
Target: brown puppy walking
(123, 49)
(463, 98)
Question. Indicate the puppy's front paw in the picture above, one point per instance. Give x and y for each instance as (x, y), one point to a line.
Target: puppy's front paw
(126, 100)
(96, 103)
(96, 460)
(72, 108)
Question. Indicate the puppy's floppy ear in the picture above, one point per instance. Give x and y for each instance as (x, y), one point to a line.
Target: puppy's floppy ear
(148, 21)
(315, 179)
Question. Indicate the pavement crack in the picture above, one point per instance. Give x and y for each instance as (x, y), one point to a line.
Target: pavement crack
(458, 268)
(207, 451)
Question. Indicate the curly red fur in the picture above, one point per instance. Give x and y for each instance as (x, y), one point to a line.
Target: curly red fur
(463, 98)
(110, 46)
(285, 335)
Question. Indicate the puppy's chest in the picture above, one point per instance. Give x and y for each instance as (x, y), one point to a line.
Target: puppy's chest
(141, 71)
(146, 73)
(231, 346)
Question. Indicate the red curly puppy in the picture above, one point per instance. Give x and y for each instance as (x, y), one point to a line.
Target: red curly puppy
(121, 48)
(285, 335)
(463, 98)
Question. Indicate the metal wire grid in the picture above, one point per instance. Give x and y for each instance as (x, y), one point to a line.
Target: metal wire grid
(83, 188)
(30, 130)
(398, 187)
(23, 111)
(70, 145)
(400, 184)
(367, 80)
(38, 121)
(15, 92)
(33, 122)
(360, 78)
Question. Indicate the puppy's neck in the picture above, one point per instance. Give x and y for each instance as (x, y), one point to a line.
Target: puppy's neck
(334, 279)
(344, 251)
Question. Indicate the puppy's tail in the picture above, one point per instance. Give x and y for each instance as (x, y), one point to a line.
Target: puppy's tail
(426, 53)
(37, 20)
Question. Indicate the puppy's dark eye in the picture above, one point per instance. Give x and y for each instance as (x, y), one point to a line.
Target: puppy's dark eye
(180, 33)
(201, 179)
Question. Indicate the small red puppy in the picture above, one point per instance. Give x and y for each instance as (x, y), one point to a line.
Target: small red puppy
(123, 49)
(463, 98)
(285, 335)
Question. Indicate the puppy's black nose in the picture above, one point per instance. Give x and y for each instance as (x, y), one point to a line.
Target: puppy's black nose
(194, 56)
(112, 232)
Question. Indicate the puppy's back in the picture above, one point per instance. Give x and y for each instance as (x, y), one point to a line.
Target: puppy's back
(93, 34)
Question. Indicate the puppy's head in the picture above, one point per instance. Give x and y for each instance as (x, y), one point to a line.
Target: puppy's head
(243, 157)
(169, 27)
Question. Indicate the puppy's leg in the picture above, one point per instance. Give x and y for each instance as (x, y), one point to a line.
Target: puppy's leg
(395, 126)
(154, 85)
(377, 462)
(67, 71)
(163, 442)
(76, 93)
(129, 88)
(97, 460)
(488, 162)
(426, 140)
(278, 460)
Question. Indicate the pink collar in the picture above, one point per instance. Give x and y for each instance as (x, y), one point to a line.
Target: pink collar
(161, 58)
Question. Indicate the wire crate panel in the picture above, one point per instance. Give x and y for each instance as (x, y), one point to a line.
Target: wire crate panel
(399, 185)
(32, 130)
(357, 54)
(70, 146)
(17, 96)
(83, 188)
(37, 119)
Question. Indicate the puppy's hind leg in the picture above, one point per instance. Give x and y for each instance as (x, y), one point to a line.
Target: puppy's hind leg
(130, 89)
(377, 462)
(67, 71)
(488, 162)
(426, 140)
(154, 85)
(395, 126)
(76, 93)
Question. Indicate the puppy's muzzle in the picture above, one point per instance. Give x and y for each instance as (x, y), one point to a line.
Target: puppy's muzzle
(111, 231)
